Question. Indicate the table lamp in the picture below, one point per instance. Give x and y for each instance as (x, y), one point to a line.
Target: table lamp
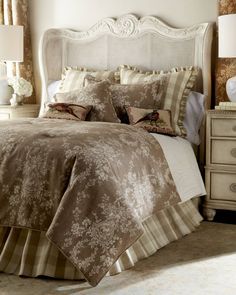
(227, 48)
(11, 50)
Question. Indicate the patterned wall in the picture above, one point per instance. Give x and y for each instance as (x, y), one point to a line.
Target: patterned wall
(225, 68)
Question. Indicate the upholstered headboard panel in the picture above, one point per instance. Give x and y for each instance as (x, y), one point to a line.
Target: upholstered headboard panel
(147, 43)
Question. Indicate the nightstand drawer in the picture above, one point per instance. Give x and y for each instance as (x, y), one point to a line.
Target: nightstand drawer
(223, 127)
(223, 152)
(23, 115)
(22, 111)
(223, 186)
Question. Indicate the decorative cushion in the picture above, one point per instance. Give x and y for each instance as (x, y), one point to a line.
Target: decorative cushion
(66, 97)
(177, 86)
(154, 121)
(146, 95)
(67, 111)
(73, 78)
(98, 95)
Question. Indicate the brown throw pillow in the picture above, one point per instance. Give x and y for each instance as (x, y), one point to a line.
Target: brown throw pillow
(154, 121)
(67, 111)
(146, 95)
(98, 95)
(178, 84)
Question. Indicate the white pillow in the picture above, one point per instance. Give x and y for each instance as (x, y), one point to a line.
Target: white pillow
(53, 88)
(195, 111)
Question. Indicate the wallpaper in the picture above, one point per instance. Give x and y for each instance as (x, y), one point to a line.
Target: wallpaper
(225, 67)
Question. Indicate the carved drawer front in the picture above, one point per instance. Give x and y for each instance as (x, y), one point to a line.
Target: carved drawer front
(224, 127)
(223, 186)
(223, 152)
(30, 114)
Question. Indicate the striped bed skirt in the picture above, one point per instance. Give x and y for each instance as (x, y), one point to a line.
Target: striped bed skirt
(29, 253)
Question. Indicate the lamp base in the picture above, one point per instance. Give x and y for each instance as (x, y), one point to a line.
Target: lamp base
(231, 89)
(5, 92)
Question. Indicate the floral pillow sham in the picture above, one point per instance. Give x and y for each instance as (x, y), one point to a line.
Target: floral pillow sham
(146, 95)
(67, 111)
(178, 84)
(154, 121)
(96, 94)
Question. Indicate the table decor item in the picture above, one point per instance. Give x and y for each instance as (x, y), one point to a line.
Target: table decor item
(227, 48)
(22, 88)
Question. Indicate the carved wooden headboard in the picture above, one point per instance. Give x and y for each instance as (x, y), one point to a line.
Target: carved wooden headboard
(147, 43)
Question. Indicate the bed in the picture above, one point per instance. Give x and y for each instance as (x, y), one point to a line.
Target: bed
(39, 250)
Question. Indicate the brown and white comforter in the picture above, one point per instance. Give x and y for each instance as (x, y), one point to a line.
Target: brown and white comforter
(89, 185)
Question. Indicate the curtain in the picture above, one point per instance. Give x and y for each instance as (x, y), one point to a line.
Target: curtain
(225, 67)
(16, 12)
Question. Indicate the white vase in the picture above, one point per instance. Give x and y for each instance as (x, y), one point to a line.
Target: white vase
(16, 100)
(5, 92)
(231, 89)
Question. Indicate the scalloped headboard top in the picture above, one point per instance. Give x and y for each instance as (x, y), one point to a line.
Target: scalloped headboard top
(146, 43)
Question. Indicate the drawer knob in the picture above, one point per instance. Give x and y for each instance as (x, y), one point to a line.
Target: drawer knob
(234, 128)
(233, 153)
(233, 187)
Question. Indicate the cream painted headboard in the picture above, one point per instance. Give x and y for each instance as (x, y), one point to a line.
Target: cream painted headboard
(147, 43)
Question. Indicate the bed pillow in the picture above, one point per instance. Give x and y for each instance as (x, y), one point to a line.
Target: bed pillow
(177, 86)
(98, 95)
(67, 111)
(53, 88)
(146, 95)
(154, 121)
(73, 78)
(195, 112)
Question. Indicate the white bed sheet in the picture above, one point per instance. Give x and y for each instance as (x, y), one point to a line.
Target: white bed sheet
(183, 166)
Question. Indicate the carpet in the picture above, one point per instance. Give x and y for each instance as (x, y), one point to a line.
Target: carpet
(203, 262)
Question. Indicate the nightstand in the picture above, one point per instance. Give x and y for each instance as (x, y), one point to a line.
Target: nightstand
(220, 176)
(8, 112)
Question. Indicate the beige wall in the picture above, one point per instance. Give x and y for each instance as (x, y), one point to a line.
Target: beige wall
(81, 14)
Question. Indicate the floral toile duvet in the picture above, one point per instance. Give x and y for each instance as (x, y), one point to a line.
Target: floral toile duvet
(88, 185)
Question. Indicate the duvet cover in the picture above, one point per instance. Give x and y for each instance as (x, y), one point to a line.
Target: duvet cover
(88, 185)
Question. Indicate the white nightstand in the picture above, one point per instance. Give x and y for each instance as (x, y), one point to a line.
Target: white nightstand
(8, 112)
(220, 162)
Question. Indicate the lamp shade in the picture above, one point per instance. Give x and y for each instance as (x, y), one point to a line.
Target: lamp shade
(11, 43)
(227, 36)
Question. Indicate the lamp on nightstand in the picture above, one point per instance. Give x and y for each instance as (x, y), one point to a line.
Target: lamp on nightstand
(11, 49)
(227, 47)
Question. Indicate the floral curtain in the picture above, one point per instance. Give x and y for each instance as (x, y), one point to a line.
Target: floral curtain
(225, 67)
(16, 12)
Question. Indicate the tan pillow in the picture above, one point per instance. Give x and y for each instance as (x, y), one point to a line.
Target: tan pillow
(73, 78)
(67, 111)
(98, 95)
(177, 86)
(155, 121)
(146, 95)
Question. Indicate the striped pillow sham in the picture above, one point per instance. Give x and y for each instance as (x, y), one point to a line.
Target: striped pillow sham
(177, 86)
(73, 78)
